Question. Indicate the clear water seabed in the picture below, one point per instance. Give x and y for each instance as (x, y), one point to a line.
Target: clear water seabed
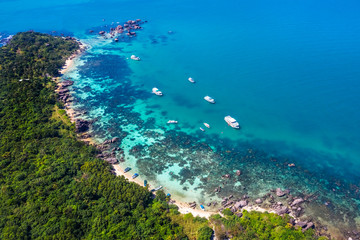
(288, 71)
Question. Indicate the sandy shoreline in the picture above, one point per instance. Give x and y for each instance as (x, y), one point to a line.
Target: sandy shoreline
(183, 207)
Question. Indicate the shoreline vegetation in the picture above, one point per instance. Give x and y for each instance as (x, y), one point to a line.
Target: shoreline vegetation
(55, 186)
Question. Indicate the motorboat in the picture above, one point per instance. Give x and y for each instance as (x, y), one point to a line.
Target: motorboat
(127, 169)
(202, 129)
(202, 207)
(209, 99)
(145, 183)
(157, 188)
(191, 80)
(133, 57)
(232, 122)
(156, 91)
(135, 176)
(207, 125)
(172, 122)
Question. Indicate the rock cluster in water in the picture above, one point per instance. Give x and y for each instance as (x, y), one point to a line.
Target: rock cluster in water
(128, 29)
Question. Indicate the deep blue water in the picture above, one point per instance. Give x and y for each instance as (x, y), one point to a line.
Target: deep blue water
(288, 71)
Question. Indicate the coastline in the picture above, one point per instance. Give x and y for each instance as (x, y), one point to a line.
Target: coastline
(183, 207)
(69, 64)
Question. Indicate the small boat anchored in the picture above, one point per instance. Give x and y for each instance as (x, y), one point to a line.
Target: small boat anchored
(207, 125)
(156, 91)
(209, 99)
(157, 188)
(127, 169)
(133, 57)
(202, 207)
(135, 176)
(191, 80)
(232, 122)
(172, 122)
(202, 129)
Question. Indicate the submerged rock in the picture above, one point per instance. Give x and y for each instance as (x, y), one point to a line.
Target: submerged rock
(297, 201)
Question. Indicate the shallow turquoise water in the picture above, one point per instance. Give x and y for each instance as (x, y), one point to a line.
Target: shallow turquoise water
(287, 71)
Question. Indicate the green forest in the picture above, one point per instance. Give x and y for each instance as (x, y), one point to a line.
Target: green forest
(53, 187)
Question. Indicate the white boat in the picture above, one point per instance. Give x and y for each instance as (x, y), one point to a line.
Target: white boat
(191, 80)
(209, 99)
(156, 91)
(172, 121)
(133, 57)
(232, 122)
(207, 125)
(202, 129)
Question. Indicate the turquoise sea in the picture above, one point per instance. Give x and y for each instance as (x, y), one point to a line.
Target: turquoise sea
(288, 71)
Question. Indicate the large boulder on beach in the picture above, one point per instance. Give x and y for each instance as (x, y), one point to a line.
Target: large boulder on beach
(63, 91)
(240, 204)
(279, 192)
(111, 160)
(82, 125)
(67, 83)
(258, 201)
(309, 225)
(238, 172)
(301, 224)
(282, 210)
(115, 139)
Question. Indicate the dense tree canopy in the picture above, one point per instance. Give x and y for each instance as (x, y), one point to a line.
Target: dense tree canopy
(52, 187)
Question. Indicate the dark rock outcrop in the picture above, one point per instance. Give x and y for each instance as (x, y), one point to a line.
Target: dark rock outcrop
(82, 125)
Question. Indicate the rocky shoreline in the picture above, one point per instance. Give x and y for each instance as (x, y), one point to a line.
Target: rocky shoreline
(277, 200)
